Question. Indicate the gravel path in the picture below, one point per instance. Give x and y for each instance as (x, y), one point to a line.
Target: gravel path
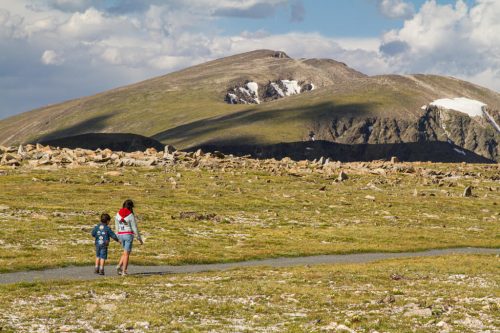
(86, 272)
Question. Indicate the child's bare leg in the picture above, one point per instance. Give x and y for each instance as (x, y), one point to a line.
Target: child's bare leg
(120, 263)
(96, 262)
(125, 257)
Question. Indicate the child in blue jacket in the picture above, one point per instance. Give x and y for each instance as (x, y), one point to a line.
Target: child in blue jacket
(102, 234)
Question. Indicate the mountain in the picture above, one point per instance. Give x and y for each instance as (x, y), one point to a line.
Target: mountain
(264, 98)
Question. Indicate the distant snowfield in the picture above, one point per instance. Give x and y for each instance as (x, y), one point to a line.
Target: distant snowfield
(292, 87)
(465, 105)
(468, 106)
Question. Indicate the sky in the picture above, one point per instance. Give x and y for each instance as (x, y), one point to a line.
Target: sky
(55, 50)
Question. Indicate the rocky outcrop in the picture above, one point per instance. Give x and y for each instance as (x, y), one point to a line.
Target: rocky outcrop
(253, 93)
(47, 157)
(111, 162)
(463, 133)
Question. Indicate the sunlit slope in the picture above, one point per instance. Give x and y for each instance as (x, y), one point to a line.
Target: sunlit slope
(165, 102)
(292, 119)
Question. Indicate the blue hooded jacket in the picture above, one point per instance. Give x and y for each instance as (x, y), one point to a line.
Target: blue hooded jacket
(102, 234)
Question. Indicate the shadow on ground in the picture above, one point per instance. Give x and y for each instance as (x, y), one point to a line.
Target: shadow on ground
(266, 120)
(434, 151)
(114, 141)
(92, 125)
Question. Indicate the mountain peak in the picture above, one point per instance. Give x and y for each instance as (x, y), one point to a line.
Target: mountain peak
(264, 97)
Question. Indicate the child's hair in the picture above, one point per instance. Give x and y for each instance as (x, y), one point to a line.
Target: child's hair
(105, 218)
(129, 204)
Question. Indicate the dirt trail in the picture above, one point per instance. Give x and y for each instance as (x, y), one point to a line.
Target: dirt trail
(86, 272)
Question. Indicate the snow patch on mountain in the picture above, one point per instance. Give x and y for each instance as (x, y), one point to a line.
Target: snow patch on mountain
(232, 98)
(248, 94)
(253, 87)
(252, 93)
(291, 87)
(471, 107)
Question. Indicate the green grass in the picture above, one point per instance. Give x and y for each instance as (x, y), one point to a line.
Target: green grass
(261, 214)
(456, 292)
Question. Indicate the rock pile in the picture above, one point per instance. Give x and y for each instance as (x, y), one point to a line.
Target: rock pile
(46, 157)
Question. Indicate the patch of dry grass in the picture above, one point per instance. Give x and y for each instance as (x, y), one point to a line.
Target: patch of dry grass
(443, 294)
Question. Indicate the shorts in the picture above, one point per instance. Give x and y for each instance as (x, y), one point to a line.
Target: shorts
(127, 241)
(101, 252)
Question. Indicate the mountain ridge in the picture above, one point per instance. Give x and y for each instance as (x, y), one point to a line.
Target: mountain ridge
(187, 108)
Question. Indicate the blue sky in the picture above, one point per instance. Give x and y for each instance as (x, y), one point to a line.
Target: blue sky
(334, 18)
(54, 50)
(331, 18)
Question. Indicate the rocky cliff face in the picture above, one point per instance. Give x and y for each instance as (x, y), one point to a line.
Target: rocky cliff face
(475, 134)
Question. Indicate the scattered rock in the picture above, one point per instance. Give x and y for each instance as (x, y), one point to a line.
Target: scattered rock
(333, 326)
(169, 149)
(198, 153)
(218, 154)
(342, 176)
(370, 197)
(396, 277)
(91, 307)
(468, 192)
(198, 216)
(66, 328)
(471, 322)
(113, 173)
(10, 159)
(445, 327)
(108, 307)
(387, 299)
(394, 160)
(142, 324)
(419, 313)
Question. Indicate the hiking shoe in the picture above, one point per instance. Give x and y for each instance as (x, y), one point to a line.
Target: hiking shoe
(119, 270)
(96, 270)
(124, 273)
(101, 272)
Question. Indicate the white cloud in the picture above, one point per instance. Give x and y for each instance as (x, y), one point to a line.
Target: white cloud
(51, 57)
(70, 5)
(449, 39)
(367, 44)
(10, 25)
(396, 8)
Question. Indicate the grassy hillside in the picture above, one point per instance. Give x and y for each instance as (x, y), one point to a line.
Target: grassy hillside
(187, 108)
